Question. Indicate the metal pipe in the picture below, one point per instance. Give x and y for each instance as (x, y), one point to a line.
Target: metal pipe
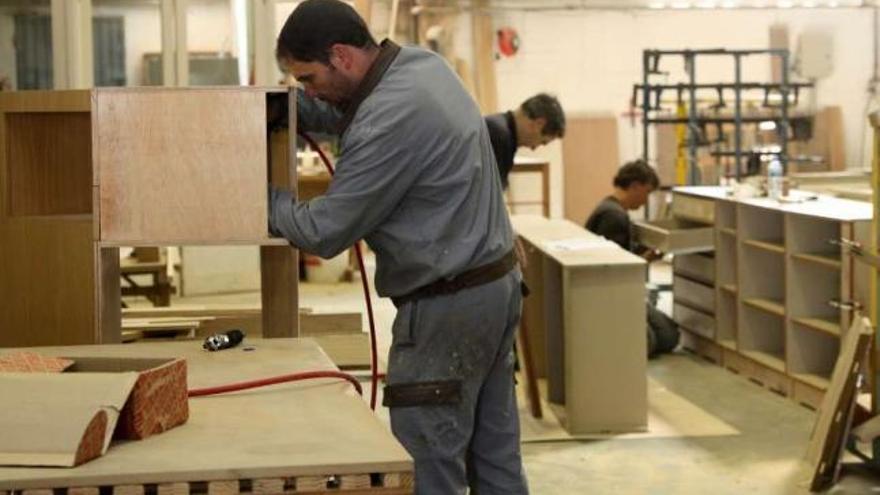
(783, 122)
(646, 103)
(737, 129)
(690, 63)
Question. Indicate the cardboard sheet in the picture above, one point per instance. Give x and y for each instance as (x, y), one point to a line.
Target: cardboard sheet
(59, 419)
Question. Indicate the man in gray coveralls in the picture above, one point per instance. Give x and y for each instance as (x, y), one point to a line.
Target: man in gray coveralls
(417, 179)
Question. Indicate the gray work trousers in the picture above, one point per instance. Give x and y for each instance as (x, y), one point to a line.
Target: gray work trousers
(465, 336)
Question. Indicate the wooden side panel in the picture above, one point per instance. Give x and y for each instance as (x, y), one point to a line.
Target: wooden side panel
(590, 160)
(605, 372)
(279, 265)
(181, 166)
(49, 163)
(47, 284)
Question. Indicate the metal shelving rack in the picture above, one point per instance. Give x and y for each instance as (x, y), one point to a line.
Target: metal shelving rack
(651, 95)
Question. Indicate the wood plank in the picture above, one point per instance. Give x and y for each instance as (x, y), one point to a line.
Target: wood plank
(202, 179)
(49, 160)
(831, 327)
(128, 490)
(484, 57)
(835, 413)
(268, 486)
(767, 305)
(312, 483)
(279, 266)
(590, 159)
(827, 260)
(108, 296)
(48, 282)
(354, 482)
(771, 246)
(766, 359)
(315, 324)
(173, 489)
(807, 395)
(83, 490)
(224, 487)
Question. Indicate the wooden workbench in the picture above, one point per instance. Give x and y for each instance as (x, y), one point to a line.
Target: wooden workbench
(312, 437)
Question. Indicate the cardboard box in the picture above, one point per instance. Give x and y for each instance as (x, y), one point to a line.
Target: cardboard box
(66, 419)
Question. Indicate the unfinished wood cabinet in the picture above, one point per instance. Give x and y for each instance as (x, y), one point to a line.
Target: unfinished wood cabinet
(783, 288)
(84, 172)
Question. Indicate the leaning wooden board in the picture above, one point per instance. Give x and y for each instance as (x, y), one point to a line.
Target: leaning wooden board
(308, 435)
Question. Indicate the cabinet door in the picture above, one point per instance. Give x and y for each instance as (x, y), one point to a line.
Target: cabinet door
(182, 166)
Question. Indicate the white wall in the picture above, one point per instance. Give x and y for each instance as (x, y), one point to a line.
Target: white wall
(143, 34)
(591, 59)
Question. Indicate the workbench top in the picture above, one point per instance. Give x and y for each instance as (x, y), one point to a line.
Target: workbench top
(823, 206)
(312, 428)
(569, 244)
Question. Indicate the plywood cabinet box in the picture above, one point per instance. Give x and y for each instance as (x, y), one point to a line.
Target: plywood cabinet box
(84, 172)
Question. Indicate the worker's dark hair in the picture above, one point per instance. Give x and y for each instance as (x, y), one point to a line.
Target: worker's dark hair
(315, 26)
(636, 171)
(548, 107)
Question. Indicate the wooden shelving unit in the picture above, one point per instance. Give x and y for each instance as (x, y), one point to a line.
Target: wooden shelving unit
(84, 172)
(777, 274)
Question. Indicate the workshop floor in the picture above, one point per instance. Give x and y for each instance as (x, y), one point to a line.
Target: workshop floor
(738, 437)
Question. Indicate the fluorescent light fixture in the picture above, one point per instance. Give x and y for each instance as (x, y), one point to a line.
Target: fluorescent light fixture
(681, 5)
(785, 4)
(808, 4)
(707, 4)
(728, 4)
(767, 125)
(657, 5)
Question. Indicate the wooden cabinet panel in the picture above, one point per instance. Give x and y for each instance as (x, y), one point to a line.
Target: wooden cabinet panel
(181, 166)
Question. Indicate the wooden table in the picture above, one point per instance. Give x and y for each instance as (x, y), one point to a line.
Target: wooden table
(587, 325)
(316, 436)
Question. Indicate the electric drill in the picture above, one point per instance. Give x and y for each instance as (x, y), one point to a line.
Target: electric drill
(223, 340)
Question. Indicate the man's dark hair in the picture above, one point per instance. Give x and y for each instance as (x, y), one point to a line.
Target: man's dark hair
(636, 171)
(548, 107)
(315, 26)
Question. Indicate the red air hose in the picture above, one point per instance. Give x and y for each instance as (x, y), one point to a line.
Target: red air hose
(308, 375)
(374, 363)
(305, 375)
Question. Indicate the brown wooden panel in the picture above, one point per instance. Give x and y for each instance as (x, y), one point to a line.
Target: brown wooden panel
(49, 163)
(186, 166)
(47, 284)
(590, 161)
(279, 265)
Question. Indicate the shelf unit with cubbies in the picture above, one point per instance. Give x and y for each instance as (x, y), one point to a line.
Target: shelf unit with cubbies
(783, 290)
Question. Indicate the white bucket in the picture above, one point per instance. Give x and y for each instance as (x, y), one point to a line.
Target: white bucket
(325, 271)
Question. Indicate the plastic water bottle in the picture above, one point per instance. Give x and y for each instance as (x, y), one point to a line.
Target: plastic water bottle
(774, 179)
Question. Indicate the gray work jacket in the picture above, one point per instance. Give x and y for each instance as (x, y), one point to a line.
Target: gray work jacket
(416, 177)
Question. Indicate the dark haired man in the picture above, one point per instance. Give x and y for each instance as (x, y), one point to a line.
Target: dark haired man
(416, 178)
(633, 184)
(538, 121)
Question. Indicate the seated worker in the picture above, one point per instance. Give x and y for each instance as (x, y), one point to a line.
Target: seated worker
(538, 121)
(634, 182)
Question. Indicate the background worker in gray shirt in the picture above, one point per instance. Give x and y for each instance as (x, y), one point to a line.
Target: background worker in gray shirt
(416, 178)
